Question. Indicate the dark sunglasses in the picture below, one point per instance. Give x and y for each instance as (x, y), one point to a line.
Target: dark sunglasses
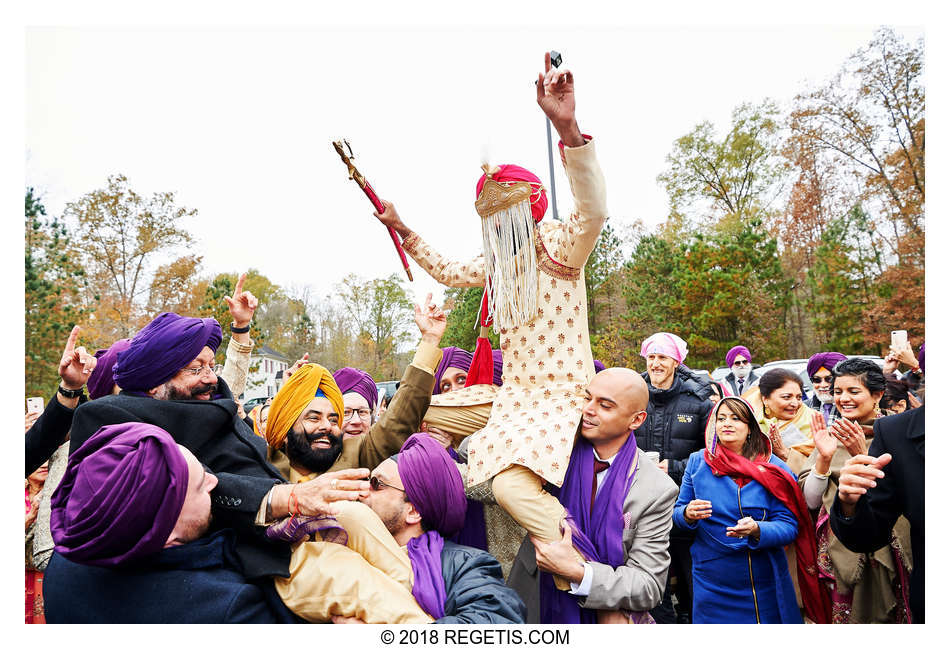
(740, 363)
(822, 379)
(377, 485)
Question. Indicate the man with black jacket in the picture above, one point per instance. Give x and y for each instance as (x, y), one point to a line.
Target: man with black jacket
(875, 489)
(167, 380)
(676, 419)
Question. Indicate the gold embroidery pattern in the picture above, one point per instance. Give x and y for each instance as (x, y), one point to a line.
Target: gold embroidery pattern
(411, 243)
(495, 197)
(547, 264)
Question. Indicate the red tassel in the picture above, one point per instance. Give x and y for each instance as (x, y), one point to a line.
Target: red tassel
(482, 370)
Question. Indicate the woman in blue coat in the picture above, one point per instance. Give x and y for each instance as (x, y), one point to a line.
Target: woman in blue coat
(739, 499)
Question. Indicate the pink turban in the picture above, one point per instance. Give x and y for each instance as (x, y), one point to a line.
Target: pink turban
(666, 344)
(514, 173)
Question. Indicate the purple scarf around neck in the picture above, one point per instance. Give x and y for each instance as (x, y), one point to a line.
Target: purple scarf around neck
(428, 586)
(597, 535)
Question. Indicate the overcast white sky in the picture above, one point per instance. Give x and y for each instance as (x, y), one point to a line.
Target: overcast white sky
(238, 122)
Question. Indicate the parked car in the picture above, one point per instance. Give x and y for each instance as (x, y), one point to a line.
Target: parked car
(389, 386)
(251, 403)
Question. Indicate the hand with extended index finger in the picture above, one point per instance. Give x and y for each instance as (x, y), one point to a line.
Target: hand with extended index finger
(555, 94)
(431, 320)
(76, 364)
(242, 304)
(297, 365)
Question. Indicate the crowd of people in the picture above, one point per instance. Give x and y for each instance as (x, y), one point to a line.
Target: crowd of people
(518, 485)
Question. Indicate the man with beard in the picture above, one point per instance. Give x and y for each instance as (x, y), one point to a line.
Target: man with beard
(304, 423)
(127, 522)
(741, 378)
(166, 379)
(819, 371)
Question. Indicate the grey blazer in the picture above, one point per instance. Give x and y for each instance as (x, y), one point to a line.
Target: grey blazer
(638, 584)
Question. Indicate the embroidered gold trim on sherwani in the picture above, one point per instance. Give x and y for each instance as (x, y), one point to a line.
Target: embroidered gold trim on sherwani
(547, 361)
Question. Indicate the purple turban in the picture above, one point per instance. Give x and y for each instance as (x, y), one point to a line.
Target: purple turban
(100, 382)
(497, 366)
(433, 483)
(599, 367)
(162, 348)
(451, 357)
(736, 351)
(350, 379)
(920, 358)
(120, 497)
(828, 360)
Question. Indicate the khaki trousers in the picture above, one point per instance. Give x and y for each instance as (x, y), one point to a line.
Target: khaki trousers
(518, 491)
(369, 578)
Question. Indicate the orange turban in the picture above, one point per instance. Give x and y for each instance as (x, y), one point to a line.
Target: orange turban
(293, 397)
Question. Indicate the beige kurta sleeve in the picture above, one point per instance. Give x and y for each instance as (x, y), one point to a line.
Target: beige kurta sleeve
(444, 271)
(236, 364)
(574, 240)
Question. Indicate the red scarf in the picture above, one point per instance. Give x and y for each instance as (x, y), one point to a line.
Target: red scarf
(781, 485)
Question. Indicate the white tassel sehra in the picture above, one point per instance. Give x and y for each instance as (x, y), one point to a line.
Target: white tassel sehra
(511, 264)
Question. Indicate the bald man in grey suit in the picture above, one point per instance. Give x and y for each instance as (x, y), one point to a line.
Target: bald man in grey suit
(615, 407)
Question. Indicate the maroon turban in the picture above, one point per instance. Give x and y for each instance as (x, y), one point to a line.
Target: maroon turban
(451, 357)
(120, 497)
(514, 173)
(828, 360)
(100, 382)
(433, 483)
(350, 379)
(162, 349)
(736, 351)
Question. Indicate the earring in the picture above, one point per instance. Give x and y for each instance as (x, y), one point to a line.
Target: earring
(765, 411)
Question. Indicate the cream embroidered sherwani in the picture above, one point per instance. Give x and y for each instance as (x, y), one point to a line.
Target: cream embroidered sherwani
(547, 361)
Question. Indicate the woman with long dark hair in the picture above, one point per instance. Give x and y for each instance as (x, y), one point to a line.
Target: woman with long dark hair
(745, 506)
(864, 588)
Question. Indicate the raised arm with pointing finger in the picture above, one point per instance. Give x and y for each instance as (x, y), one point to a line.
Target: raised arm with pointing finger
(50, 429)
(242, 306)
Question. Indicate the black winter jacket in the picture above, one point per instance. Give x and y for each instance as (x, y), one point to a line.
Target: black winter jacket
(222, 442)
(676, 420)
(475, 590)
(198, 582)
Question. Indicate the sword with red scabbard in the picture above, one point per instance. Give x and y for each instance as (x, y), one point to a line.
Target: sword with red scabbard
(371, 195)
